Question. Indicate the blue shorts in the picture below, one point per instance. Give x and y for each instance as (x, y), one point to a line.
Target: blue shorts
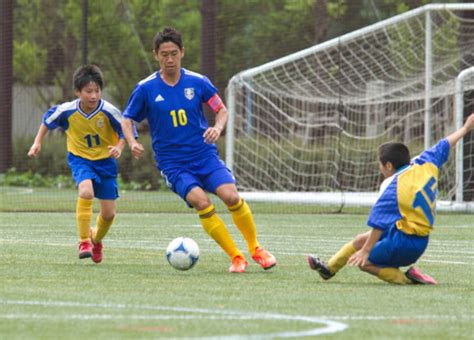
(208, 173)
(103, 174)
(397, 249)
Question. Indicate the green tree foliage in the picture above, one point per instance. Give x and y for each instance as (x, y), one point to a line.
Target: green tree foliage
(48, 41)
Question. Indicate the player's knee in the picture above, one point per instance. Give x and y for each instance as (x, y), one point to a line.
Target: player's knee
(201, 204)
(359, 241)
(108, 215)
(86, 193)
(231, 198)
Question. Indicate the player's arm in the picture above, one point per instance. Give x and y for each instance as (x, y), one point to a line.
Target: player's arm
(127, 130)
(115, 151)
(212, 134)
(36, 147)
(457, 135)
(360, 257)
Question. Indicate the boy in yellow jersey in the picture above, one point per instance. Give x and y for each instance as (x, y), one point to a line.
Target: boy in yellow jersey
(401, 219)
(94, 142)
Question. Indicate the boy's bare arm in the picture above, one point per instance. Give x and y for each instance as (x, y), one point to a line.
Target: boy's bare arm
(36, 147)
(360, 257)
(457, 135)
(127, 129)
(115, 151)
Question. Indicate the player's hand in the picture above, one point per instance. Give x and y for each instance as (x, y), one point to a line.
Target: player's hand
(359, 258)
(115, 151)
(469, 123)
(34, 150)
(212, 134)
(137, 150)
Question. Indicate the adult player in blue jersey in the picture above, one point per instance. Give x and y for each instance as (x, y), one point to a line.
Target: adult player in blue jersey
(94, 142)
(401, 219)
(171, 99)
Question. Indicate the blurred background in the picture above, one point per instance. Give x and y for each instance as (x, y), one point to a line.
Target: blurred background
(42, 42)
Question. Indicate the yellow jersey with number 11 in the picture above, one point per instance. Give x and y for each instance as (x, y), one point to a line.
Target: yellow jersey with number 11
(88, 135)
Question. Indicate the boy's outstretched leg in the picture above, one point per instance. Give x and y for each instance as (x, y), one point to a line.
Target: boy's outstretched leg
(103, 223)
(315, 263)
(243, 219)
(335, 263)
(215, 227)
(84, 219)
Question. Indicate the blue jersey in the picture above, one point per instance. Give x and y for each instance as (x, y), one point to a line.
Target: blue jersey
(88, 135)
(408, 199)
(175, 115)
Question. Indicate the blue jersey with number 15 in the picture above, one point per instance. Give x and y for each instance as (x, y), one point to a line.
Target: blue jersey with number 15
(175, 115)
(409, 198)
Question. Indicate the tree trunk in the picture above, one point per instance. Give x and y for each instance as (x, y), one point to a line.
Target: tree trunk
(321, 21)
(6, 83)
(208, 46)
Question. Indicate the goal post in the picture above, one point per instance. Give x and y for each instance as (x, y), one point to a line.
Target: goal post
(305, 128)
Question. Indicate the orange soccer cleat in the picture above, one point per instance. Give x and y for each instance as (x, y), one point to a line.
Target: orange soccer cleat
(238, 265)
(264, 258)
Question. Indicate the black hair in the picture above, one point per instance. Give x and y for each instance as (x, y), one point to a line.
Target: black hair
(86, 74)
(169, 34)
(395, 153)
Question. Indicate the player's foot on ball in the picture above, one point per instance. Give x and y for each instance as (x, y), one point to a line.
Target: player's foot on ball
(238, 265)
(417, 277)
(96, 249)
(85, 249)
(315, 263)
(264, 258)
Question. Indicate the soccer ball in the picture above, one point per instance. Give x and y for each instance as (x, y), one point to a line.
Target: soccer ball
(182, 253)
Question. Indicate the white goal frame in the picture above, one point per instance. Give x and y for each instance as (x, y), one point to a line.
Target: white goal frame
(359, 199)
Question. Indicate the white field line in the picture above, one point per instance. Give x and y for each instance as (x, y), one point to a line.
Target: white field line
(120, 225)
(436, 253)
(328, 326)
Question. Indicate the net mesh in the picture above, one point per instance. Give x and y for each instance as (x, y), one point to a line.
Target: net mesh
(312, 122)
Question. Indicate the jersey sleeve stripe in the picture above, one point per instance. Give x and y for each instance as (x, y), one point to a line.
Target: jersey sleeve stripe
(60, 109)
(114, 112)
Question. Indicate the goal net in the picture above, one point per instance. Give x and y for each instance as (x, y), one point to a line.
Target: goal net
(305, 128)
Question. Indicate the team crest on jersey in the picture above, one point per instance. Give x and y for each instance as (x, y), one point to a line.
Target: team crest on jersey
(100, 122)
(189, 93)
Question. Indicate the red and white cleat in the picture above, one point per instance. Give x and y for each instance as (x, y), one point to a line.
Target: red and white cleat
(264, 258)
(238, 265)
(417, 277)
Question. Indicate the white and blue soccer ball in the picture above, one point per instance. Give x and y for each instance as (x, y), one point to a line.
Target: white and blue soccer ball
(182, 253)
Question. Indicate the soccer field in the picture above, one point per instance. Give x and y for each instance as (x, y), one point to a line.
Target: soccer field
(46, 292)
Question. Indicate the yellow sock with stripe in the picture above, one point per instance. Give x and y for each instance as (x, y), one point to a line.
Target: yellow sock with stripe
(243, 219)
(215, 227)
(340, 259)
(101, 229)
(393, 275)
(83, 217)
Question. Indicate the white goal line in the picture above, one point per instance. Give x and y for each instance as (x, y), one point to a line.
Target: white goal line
(348, 199)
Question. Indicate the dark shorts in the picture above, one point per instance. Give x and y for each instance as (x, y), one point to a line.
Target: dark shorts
(103, 174)
(207, 173)
(397, 249)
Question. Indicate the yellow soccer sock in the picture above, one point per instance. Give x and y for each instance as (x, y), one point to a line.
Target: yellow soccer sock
(102, 228)
(393, 275)
(340, 259)
(243, 219)
(216, 228)
(83, 217)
